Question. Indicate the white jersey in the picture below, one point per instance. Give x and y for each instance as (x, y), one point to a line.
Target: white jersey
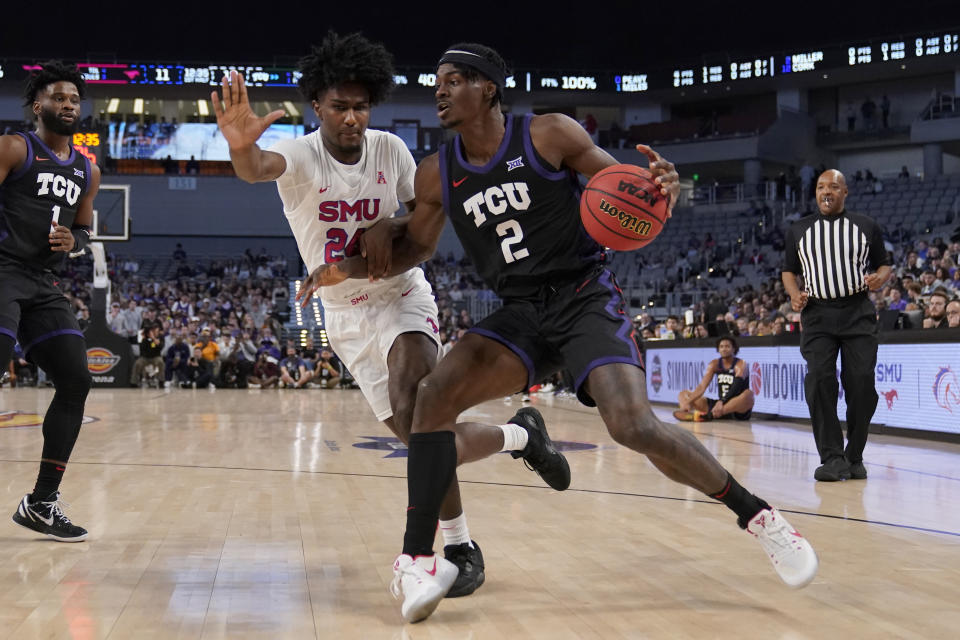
(328, 204)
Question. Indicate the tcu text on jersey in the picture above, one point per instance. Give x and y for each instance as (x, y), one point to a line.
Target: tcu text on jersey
(496, 200)
(341, 210)
(60, 186)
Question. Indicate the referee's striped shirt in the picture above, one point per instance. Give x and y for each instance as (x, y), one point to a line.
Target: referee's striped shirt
(834, 253)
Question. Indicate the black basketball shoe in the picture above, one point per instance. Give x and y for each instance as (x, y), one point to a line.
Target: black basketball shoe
(46, 517)
(539, 454)
(470, 563)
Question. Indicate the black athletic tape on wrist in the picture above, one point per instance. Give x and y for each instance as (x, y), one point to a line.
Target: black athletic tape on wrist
(81, 237)
(475, 61)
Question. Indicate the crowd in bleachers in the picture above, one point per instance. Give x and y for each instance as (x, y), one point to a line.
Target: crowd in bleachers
(232, 308)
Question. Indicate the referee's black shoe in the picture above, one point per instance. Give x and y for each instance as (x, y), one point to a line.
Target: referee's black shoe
(469, 561)
(832, 470)
(540, 454)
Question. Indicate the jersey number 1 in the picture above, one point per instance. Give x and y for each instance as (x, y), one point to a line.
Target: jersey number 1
(55, 220)
(512, 234)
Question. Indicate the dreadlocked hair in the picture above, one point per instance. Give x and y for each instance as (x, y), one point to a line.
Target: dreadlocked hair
(50, 72)
(350, 58)
(471, 74)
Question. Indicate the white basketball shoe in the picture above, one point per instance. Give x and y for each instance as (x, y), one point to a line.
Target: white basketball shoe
(791, 554)
(421, 582)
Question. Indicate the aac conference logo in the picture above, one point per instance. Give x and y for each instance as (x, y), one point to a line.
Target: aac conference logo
(101, 360)
(946, 389)
(656, 375)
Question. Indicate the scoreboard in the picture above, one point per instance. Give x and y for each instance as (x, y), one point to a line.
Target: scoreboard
(631, 78)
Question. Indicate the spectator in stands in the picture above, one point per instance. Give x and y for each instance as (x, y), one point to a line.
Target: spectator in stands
(914, 296)
(309, 354)
(131, 321)
(210, 350)
(953, 313)
(175, 360)
(895, 301)
(913, 266)
(936, 312)
(904, 173)
(328, 370)
(293, 371)
(851, 116)
(885, 111)
(179, 253)
(193, 167)
(151, 348)
(171, 166)
(199, 371)
(115, 318)
(928, 282)
(671, 328)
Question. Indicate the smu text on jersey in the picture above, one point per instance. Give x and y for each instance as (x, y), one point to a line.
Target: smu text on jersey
(342, 211)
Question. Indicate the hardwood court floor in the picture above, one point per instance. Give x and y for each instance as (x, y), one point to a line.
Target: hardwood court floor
(277, 514)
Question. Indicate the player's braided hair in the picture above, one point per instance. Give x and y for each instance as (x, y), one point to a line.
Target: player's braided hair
(350, 58)
(50, 72)
(490, 56)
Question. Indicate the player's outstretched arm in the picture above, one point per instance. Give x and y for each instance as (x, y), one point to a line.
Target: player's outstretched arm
(241, 128)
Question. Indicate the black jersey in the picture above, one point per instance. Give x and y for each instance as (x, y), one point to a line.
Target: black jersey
(44, 190)
(725, 377)
(517, 217)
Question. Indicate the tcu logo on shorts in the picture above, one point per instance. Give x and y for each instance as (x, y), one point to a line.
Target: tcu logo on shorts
(497, 200)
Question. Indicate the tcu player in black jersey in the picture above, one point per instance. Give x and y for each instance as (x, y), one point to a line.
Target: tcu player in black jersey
(733, 389)
(506, 184)
(47, 190)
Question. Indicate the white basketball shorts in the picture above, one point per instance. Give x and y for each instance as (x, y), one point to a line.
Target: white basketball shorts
(362, 336)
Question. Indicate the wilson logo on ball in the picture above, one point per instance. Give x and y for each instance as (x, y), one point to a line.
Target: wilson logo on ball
(627, 221)
(100, 360)
(622, 208)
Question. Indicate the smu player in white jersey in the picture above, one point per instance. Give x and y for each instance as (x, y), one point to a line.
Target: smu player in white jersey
(340, 187)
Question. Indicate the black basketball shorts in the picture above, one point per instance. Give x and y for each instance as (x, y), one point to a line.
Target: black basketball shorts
(578, 327)
(32, 308)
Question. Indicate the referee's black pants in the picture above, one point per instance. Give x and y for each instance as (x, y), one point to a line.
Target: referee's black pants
(848, 326)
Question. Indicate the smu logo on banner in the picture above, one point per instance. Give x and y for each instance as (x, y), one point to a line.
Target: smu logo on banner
(100, 360)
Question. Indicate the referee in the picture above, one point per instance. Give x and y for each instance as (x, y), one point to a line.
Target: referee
(833, 251)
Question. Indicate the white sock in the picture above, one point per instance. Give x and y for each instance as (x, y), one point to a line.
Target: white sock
(455, 531)
(514, 437)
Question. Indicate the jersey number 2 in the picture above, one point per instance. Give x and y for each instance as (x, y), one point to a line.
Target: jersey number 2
(512, 234)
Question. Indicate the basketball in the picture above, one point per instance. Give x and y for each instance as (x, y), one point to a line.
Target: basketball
(622, 207)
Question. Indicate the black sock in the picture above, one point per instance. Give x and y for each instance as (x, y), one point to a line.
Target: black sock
(48, 480)
(740, 501)
(431, 463)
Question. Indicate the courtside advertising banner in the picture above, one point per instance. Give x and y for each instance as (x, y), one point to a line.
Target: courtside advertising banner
(918, 384)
